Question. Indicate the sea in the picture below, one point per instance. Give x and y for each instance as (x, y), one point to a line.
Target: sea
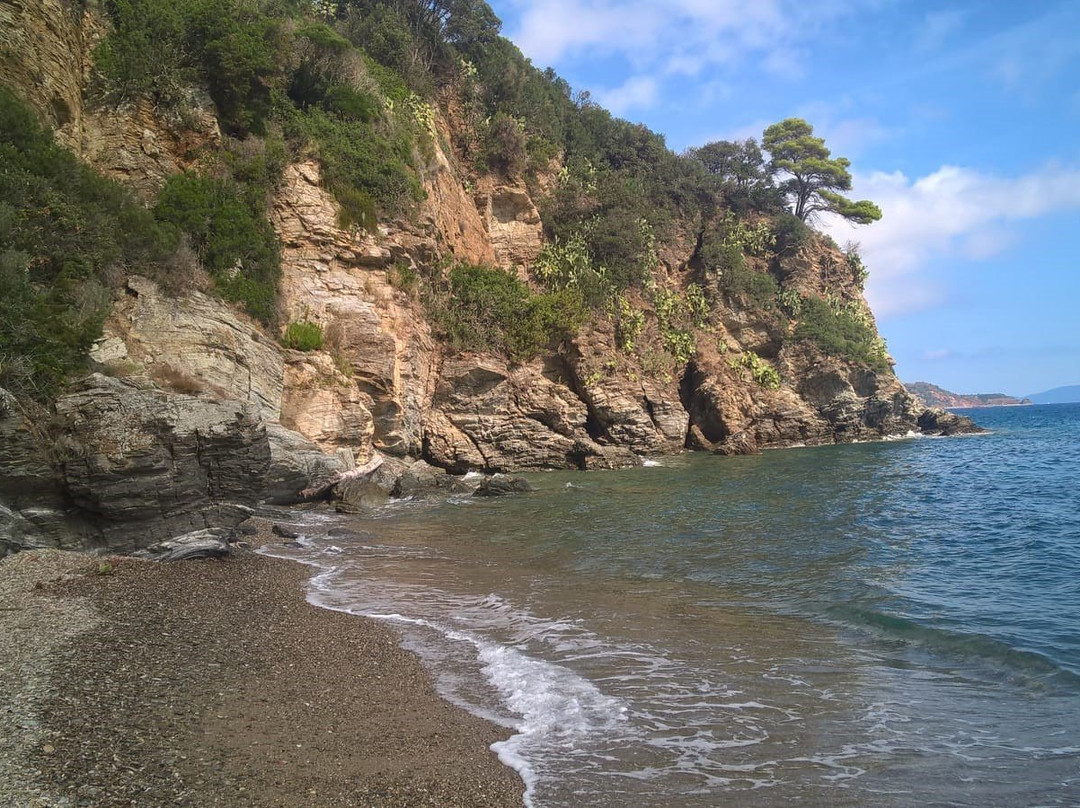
(878, 624)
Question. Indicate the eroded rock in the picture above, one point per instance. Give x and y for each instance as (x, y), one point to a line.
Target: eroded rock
(141, 465)
(209, 543)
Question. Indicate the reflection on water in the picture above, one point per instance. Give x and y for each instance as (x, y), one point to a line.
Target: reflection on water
(865, 625)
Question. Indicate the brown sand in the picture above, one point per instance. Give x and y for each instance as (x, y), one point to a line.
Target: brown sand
(216, 683)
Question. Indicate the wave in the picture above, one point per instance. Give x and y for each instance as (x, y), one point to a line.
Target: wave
(1022, 666)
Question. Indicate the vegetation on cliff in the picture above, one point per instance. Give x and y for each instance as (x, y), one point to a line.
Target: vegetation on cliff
(360, 86)
(67, 237)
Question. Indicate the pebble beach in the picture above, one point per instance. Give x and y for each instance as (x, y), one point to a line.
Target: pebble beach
(214, 682)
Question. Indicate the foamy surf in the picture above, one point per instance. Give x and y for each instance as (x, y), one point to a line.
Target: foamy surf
(556, 707)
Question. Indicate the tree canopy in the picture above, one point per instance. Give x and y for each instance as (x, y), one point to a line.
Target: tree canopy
(815, 177)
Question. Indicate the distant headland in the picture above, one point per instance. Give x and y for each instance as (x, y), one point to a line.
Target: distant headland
(935, 396)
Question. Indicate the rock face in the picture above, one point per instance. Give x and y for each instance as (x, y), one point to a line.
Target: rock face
(512, 222)
(33, 509)
(46, 56)
(194, 343)
(141, 465)
(342, 281)
(488, 416)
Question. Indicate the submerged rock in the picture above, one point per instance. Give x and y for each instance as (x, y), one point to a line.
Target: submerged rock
(498, 485)
(424, 480)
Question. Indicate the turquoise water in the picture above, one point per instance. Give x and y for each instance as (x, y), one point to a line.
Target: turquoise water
(893, 623)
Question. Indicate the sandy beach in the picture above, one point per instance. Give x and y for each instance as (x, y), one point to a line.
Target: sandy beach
(215, 683)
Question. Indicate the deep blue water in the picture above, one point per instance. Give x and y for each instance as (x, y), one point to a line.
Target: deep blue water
(892, 623)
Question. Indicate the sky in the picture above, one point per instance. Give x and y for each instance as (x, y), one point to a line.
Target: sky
(961, 119)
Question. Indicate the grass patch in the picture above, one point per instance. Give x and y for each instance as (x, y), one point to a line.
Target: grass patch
(303, 335)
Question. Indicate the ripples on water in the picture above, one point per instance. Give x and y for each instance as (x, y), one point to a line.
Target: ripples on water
(875, 624)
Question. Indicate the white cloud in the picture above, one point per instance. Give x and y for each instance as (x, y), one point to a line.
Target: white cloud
(683, 35)
(639, 92)
(953, 212)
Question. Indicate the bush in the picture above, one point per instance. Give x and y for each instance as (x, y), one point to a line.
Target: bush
(761, 371)
(736, 279)
(568, 265)
(629, 323)
(487, 309)
(156, 47)
(368, 172)
(840, 332)
(231, 235)
(504, 146)
(66, 236)
(792, 234)
(303, 335)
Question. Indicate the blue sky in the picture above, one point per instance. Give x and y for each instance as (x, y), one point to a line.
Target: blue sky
(961, 119)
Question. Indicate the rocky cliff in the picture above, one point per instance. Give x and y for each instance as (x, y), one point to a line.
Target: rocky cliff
(197, 412)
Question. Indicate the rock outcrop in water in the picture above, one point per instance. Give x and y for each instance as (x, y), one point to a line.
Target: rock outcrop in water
(198, 413)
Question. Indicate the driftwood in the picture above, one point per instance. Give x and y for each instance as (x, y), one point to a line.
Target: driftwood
(321, 492)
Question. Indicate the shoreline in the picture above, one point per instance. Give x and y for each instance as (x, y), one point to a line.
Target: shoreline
(216, 682)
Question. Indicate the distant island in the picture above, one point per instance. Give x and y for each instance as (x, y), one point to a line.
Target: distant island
(1059, 395)
(935, 396)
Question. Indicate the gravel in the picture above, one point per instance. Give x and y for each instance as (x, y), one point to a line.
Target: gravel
(214, 683)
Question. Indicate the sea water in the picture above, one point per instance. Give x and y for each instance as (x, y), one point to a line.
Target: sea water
(880, 624)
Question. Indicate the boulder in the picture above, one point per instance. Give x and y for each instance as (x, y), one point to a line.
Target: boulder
(941, 422)
(210, 543)
(140, 466)
(499, 485)
(297, 465)
(359, 495)
(424, 480)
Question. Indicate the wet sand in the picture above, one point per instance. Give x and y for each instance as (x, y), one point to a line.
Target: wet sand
(216, 683)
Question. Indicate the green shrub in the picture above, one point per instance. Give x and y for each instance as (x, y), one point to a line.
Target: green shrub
(367, 171)
(761, 371)
(790, 302)
(568, 265)
(697, 305)
(231, 235)
(303, 335)
(67, 235)
(792, 234)
(736, 279)
(841, 332)
(488, 309)
(404, 276)
(504, 145)
(859, 272)
(156, 47)
(629, 323)
(680, 344)
(352, 104)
